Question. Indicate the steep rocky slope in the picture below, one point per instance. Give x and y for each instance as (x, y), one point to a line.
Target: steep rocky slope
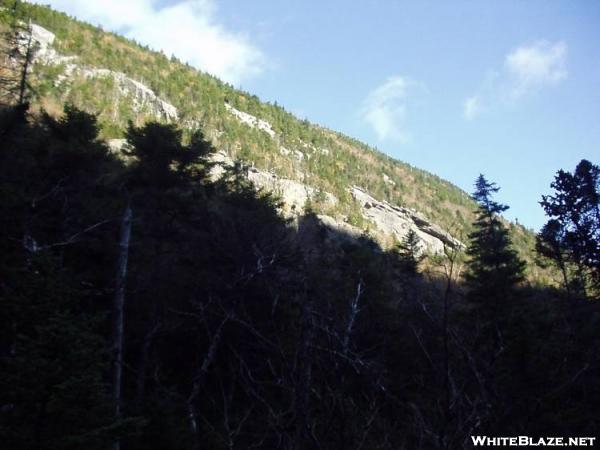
(342, 179)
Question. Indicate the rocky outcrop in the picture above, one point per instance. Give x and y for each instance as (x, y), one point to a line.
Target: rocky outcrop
(390, 220)
(43, 41)
(294, 194)
(250, 120)
(388, 180)
(339, 231)
(143, 98)
(397, 221)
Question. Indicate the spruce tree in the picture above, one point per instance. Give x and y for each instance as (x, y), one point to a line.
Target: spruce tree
(410, 253)
(571, 237)
(494, 269)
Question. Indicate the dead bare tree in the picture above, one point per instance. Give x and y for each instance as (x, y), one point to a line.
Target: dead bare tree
(118, 312)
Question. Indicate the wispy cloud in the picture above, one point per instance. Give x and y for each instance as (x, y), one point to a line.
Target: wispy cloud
(527, 69)
(385, 108)
(531, 67)
(472, 107)
(188, 29)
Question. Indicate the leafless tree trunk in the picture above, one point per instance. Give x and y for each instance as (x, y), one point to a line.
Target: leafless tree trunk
(118, 312)
(354, 310)
(25, 69)
(143, 361)
(18, 48)
(200, 377)
(304, 367)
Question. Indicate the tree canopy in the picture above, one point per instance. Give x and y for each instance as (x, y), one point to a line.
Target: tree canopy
(571, 237)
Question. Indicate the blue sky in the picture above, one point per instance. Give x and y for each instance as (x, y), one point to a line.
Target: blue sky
(509, 89)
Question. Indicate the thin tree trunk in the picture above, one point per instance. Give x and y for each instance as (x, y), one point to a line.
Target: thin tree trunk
(118, 312)
(24, 72)
(446, 374)
(143, 362)
(200, 377)
(354, 310)
(304, 364)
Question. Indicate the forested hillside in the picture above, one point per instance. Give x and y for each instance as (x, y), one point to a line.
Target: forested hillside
(82, 62)
(152, 297)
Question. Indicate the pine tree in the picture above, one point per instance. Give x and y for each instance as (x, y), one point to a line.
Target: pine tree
(410, 253)
(571, 237)
(494, 269)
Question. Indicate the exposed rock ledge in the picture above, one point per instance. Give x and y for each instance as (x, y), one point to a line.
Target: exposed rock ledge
(389, 219)
(293, 193)
(397, 221)
(143, 96)
(250, 120)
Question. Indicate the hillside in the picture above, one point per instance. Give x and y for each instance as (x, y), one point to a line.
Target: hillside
(75, 61)
(185, 267)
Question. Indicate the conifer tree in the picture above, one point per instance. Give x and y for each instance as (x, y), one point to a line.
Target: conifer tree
(494, 268)
(571, 237)
(410, 253)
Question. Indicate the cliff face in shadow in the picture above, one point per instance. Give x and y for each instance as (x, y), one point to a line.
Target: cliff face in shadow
(243, 328)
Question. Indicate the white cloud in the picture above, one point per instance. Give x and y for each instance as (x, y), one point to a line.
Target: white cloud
(472, 107)
(527, 69)
(385, 109)
(188, 29)
(534, 66)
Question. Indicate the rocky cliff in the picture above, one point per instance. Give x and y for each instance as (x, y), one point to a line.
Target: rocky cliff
(141, 96)
(389, 220)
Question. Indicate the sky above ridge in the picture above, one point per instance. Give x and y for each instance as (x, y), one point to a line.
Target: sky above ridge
(509, 89)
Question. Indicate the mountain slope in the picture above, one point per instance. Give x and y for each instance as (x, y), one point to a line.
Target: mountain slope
(137, 84)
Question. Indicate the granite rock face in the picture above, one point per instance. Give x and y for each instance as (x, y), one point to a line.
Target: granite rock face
(390, 220)
(294, 194)
(397, 221)
(250, 120)
(142, 97)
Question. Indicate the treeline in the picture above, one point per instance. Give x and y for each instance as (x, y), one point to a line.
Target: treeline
(145, 305)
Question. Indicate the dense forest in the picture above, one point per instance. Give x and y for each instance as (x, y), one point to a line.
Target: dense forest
(297, 149)
(146, 304)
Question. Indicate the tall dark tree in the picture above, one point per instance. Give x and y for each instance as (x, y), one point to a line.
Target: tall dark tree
(55, 220)
(17, 48)
(494, 268)
(410, 253)
(571, 237)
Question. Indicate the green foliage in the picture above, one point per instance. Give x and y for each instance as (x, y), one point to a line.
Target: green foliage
(54, 353)
(571, 237)
(161, 159)
(410, 253)
(332, 162)
(494, 267)
(16, 49)
(242, 330)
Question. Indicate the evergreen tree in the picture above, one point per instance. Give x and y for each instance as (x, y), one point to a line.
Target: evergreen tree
(571, 237)
(410, 253)
(55, 217)
(494, 268)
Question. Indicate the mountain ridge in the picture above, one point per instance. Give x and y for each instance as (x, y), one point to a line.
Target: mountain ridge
(262, 135)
